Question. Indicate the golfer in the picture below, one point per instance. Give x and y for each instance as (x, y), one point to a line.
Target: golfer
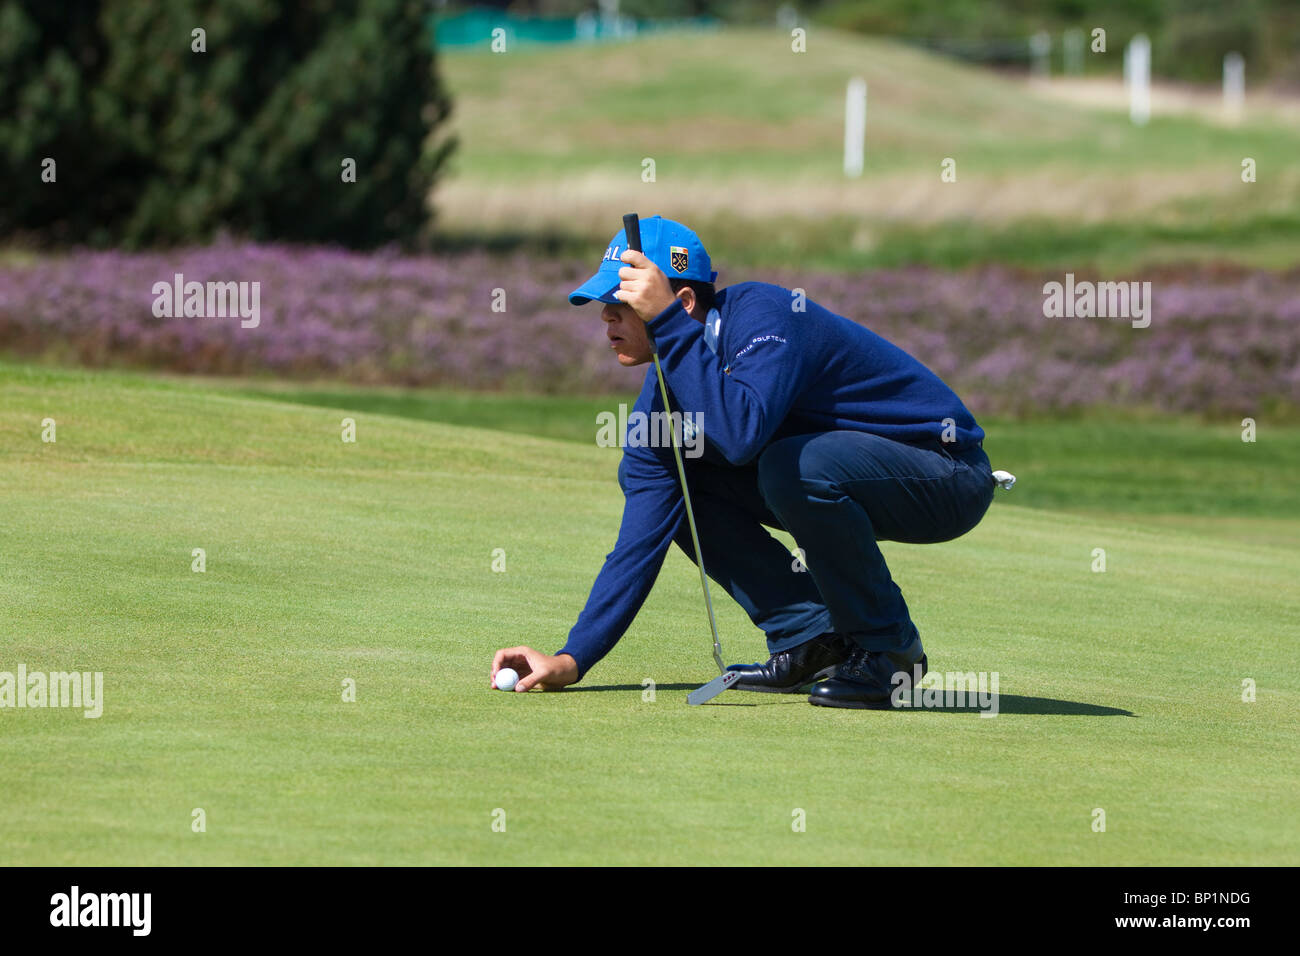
(810, 423)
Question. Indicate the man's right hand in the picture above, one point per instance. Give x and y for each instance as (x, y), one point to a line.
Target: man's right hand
(535, 668)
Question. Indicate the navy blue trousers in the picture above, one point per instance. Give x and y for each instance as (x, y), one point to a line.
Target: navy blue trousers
(838, 493)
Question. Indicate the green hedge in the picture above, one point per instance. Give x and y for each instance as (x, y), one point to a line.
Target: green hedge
(158, 144)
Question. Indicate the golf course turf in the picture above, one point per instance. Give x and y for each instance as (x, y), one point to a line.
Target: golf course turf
(373, 561)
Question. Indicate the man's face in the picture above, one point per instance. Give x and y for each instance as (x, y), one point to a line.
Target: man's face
(626, 333)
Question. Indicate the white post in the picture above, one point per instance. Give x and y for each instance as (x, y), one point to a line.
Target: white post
(610, 21)
(1137, 76)
(1073, 44)
(1234, 84)
(1040, 48)
(855, 126)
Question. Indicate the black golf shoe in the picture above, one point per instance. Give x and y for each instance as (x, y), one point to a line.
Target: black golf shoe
(786, 671)
(866, 679)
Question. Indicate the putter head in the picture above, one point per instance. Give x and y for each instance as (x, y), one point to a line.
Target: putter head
(712, 689)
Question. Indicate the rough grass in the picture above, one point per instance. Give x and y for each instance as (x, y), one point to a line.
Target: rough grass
(747, 139)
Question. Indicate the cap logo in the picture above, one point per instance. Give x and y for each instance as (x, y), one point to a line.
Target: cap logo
(679, 258)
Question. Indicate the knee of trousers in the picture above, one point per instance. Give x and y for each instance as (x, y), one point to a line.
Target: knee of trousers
(780, 480)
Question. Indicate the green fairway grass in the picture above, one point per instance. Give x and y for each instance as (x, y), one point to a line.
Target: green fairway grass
(1104, 462)
(372, 561)
(746, 137)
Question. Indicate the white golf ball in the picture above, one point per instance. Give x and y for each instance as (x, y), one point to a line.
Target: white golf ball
(507, 678)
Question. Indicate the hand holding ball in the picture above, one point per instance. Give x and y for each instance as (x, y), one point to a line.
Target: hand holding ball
(524, 669)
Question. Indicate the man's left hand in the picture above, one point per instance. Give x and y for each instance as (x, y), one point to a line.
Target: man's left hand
(643, 286)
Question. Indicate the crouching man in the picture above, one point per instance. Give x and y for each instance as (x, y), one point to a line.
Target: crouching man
(812, 424)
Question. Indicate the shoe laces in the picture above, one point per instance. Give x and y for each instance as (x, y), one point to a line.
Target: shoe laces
(858, 663)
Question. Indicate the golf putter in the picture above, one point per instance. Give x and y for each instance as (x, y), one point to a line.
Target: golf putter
(725, 678)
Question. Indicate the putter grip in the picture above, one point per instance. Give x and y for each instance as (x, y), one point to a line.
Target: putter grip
(632, 232)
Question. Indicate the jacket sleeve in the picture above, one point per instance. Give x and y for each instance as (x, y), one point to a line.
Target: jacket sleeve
(744, 394)
(652, 514)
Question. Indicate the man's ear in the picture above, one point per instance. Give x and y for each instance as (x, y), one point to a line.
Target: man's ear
(689, 302)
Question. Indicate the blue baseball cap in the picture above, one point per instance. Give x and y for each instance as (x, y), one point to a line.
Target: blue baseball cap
(669, 245)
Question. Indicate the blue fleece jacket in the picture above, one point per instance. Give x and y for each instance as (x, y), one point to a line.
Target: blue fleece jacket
(755, 371)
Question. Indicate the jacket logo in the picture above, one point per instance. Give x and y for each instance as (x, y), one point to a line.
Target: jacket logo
(679, 258)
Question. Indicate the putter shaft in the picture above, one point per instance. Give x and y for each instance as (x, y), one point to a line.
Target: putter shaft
(690, 512)
(632, 233)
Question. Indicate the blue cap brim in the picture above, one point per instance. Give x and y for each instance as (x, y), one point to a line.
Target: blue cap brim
(598, 287)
